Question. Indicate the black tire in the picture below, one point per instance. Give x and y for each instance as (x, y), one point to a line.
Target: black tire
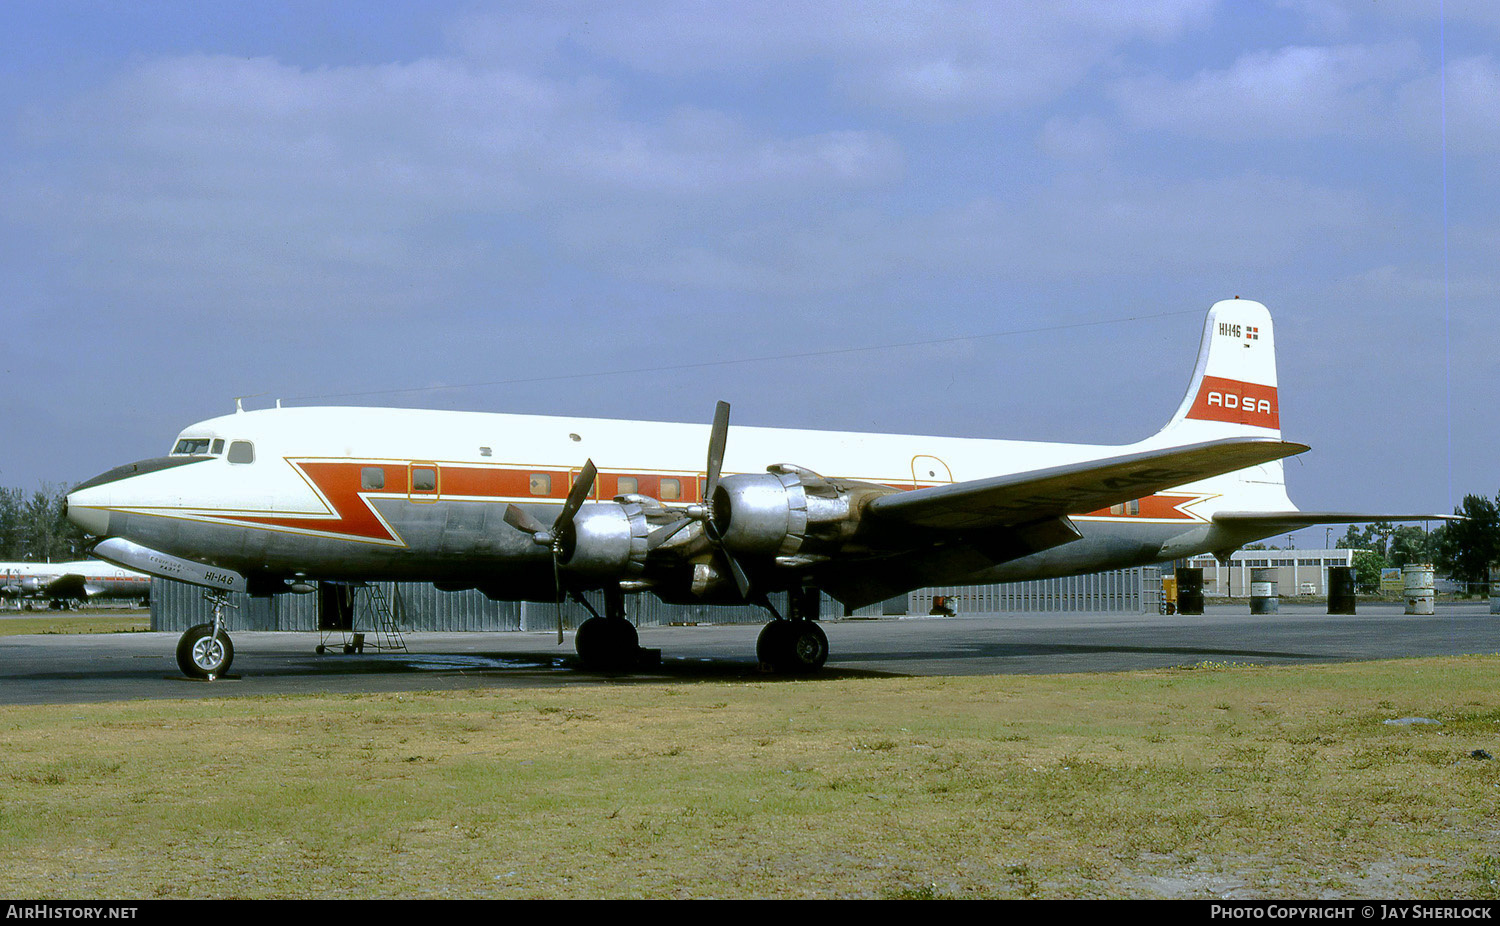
(198, 658)
(792, 647)
(607, 644)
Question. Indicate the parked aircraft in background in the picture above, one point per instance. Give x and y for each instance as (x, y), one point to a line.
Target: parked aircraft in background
(61, 584)
(538, 508)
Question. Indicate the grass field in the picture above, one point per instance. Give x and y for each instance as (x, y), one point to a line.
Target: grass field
(111, 621)
(1212, 781)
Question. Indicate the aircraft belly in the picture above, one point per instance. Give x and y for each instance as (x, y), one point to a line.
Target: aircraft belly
(1118, 547)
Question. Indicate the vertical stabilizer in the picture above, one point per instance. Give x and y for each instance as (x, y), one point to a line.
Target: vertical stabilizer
(1233, 394)
(1233, 389)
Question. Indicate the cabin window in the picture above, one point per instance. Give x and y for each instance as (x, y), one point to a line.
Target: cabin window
(241, 451)
(627, 485)
(423, 479)
(372, 477)
(541, 484)
(671, 488)
(1133, 506)
(192, 445)
(1117, 509)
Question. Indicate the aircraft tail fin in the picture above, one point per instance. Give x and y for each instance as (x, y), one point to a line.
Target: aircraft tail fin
(1233, 389)
(1232, 395)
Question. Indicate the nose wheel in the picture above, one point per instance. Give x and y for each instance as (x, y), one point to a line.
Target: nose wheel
(205, 650)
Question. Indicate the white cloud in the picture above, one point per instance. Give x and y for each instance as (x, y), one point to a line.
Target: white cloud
(1291, 92)
(276, 187)
(925, 60)
(1459, 108)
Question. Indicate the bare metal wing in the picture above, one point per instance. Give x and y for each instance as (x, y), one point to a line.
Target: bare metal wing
(1076, 488)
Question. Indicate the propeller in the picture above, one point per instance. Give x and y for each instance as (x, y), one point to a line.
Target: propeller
(557, 535)
(702, 512)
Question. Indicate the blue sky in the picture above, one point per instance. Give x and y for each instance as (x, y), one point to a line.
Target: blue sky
(1026, 207)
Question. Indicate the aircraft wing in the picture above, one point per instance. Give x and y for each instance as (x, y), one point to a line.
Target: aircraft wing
(1076, 488)
(68, 585)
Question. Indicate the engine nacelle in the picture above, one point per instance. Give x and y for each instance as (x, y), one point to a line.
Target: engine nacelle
(607, 540)
(785, 512)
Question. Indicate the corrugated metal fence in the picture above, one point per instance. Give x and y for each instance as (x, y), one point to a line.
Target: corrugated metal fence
(1121, 590)
(176, 606)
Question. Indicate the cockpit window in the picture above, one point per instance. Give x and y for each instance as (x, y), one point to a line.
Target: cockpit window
(241, 451)
(191, 445)
(218, 446)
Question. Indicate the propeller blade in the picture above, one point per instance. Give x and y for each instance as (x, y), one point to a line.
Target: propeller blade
(578, 494)
(718, 436)
(666, 532)
(516, 517)
(741, 580)
(557, 578)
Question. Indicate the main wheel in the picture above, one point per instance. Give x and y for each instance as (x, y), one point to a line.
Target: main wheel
(792, 647)
(199, 655)
(607, 644)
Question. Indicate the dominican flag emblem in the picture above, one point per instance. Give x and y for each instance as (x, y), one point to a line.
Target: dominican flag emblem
(1251, 334)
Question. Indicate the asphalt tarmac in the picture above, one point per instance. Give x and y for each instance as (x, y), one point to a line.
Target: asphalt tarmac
(71, 668)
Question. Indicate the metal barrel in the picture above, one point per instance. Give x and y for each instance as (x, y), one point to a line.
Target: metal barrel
(1264, 597)
(1189, 590)
(1341, 590)
(1495, 588)
(1421, 595)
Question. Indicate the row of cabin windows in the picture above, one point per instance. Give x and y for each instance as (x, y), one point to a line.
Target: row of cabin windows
(424, 479)
(670, 488)
(240, 451)
(1131, 507)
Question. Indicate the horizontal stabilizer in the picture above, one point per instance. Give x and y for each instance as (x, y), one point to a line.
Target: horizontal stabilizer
(1275, 522)
(1076, 488)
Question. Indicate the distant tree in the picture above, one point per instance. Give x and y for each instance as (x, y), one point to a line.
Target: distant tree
(1372, 537)
(37, 528)
(1466, 548)
(12, 501)
(1411, 544)
(1367, 566)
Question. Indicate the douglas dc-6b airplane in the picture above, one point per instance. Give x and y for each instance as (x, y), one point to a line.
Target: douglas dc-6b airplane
(61, 583)
(534, 508)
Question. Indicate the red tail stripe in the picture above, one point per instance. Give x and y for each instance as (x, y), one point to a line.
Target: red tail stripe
(1236, 402)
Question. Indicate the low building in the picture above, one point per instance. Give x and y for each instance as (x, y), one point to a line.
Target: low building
(1299, 573)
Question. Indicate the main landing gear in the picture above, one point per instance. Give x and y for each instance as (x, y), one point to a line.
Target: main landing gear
(795, 644)
(790, 645)
(608, 642)
(205, 650)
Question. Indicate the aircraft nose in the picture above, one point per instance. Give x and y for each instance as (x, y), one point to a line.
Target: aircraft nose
(88, 508)
(90, 501)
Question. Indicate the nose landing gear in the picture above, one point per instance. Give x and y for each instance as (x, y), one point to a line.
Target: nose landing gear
(205, 651)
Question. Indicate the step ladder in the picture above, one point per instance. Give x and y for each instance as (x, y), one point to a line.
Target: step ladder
(387, 630)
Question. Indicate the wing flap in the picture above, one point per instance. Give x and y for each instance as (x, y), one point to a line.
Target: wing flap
(1075, 488)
